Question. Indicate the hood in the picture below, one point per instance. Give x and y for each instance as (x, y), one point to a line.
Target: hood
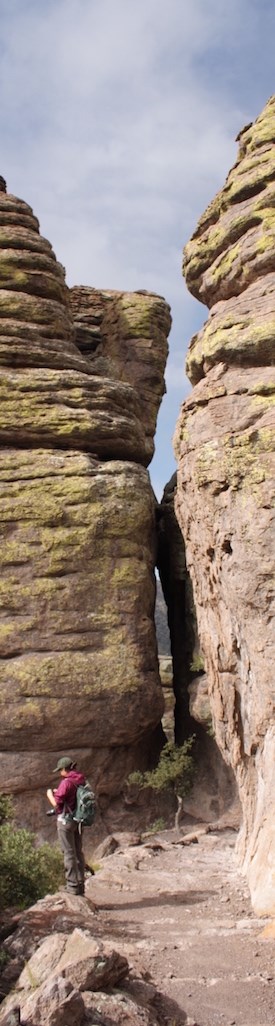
(76, 778)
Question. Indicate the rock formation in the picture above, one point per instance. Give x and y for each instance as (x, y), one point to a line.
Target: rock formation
(225, 494)
(214, 789)
(59, 971)
(123, 335)
(79, 668)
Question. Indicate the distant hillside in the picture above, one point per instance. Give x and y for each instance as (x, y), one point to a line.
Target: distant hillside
(163, 635)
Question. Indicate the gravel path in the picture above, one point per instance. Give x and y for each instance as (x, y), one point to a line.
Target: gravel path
(183, 917)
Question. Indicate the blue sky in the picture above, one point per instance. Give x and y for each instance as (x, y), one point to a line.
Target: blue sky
(118, 120)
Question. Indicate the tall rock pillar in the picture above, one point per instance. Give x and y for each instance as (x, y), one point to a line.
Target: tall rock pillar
(225, 442)
(78, 657)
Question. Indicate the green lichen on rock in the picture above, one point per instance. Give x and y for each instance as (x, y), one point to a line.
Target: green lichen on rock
(225, 443)
(70, 410)
(231, 438)
(80, 596)
(246, 337)
(234, 242)
(124, 337)
(77, 550)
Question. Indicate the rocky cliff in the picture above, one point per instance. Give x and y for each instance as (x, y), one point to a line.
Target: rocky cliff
(225, 495)
(79, 668)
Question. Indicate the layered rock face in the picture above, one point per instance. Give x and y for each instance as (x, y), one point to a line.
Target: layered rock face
(79, 670)
(123, 335)
(225, 495)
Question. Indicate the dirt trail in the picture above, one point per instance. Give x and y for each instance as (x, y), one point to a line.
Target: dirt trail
(183, 916)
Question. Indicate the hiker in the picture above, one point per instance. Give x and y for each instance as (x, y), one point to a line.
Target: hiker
(63, 800)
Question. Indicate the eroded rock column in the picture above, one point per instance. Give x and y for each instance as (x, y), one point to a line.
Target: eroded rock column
(79, 668)
(225, 496)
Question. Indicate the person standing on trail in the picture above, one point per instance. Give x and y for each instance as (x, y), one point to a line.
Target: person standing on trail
(63, 800)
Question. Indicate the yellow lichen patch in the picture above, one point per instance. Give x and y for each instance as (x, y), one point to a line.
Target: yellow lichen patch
(238, 460)
(262, 388)
(144, 314)
(263, 129)
(225, 263)
(204, 463)
(69, 409)
(247, 176)
(263, 402)
(244, 203)
(229, 342)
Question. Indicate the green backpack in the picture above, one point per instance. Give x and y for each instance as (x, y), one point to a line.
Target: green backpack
(85, 809)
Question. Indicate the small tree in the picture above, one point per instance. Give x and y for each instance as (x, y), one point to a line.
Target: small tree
(175, 770)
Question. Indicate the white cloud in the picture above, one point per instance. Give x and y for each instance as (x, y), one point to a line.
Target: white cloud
(117, 124)
(175, 375)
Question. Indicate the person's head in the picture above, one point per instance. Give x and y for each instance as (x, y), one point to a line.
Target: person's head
(64, 765)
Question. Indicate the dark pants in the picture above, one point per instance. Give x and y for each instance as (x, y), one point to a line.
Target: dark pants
(70, 840)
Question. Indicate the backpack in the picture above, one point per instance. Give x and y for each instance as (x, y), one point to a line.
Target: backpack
(85, 809)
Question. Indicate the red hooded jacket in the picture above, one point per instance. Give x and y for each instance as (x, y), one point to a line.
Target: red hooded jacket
(65, 794)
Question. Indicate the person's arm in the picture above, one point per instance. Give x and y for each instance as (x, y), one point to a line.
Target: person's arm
(58, 798)
(51, 798)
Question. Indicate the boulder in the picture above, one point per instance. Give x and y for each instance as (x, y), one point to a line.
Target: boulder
(86, 962)
(117, 1009)
(55, 1003)
(90, 964)
(70, 975)
(224, 444)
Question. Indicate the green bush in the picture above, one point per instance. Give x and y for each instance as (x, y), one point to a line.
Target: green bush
(175, 769)
(157, 826)
(197, 663)
(5, 808)
(27, 872)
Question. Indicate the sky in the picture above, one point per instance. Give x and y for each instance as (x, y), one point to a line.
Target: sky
(118, 121)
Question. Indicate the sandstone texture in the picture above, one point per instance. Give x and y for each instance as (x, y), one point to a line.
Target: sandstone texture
(123, 336)
(79, 670)
(226, 470)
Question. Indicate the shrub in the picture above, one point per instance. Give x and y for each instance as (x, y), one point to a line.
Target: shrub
(156, 827)
(5, 808)
(175, 769)
(197, 664)
(27, 872)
